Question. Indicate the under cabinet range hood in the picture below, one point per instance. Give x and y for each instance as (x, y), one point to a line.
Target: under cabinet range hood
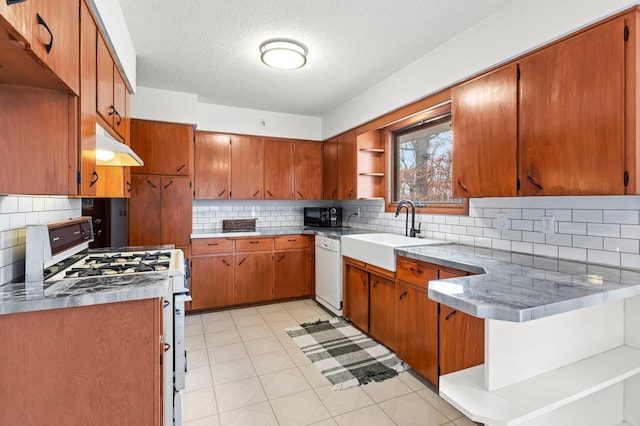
(110, 152)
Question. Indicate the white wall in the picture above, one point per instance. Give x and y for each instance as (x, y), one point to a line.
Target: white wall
(520, 27)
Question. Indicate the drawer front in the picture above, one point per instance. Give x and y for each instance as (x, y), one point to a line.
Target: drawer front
(254, 244)
(415, 272)
(291, 242)
(211, 245)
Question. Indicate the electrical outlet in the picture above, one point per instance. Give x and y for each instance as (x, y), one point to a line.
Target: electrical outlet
(501, 223)
(548, 226)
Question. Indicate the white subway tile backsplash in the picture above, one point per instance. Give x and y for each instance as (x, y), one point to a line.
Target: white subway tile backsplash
(573, 253)
(622, 245)
(522, 225)
(630, 260)
(8, 204)
(576, 228)
(588, 242)
(483, 242)
(603, 257)
(533, 214)
(512, 235)
(533, 237)
(502, 245)
(522, 247)
(467, 221)
(587, 216)
(484, 222)
(452, 220)
(446, 228)
(545, 250)
(627, 217)
(630, 231)
(559, 214)
(558, 240)
(513, 213)
(603, 230)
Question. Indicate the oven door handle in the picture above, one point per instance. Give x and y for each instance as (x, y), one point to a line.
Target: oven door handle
(182, 297)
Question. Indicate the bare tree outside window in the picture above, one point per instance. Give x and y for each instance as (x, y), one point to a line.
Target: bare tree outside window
(423, 163)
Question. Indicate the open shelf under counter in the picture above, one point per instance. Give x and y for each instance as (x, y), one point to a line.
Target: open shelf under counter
(374, 150)
(376, 174)
(531, 398)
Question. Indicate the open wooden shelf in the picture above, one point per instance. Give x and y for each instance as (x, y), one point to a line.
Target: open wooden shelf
(378, 150)
(371, 174)
(533, 397)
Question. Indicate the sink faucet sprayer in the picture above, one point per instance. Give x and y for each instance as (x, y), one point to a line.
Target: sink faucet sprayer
(414, 231)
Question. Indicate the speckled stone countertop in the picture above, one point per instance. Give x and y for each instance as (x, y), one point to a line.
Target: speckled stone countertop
(37, 296)
(519, 287)
(275, 231)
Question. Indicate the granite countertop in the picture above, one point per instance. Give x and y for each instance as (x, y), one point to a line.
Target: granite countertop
(279, 230)
(520, 287)
(37, 296)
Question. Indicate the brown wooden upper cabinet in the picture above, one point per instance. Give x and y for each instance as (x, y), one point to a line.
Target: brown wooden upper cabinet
(212, 164)
(308, 170)
(347, 166)
(278, 170)
(553, 122)
(51, 32)
(111, 92)
(165, 148)
(247, 168)
(330, 169)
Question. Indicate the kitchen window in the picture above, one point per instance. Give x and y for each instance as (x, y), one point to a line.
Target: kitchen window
(421, 162)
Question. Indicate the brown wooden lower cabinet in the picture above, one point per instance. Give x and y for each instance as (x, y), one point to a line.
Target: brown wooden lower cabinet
(461, 341)
(246, 270)
(382, 310)
(357, 296)
(97, 365)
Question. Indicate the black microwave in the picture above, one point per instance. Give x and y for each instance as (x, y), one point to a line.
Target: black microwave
(323, 216)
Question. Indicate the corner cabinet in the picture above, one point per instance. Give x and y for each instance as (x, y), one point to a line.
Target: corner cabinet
(559, 121)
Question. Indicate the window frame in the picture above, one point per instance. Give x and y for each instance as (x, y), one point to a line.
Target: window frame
(431, 113)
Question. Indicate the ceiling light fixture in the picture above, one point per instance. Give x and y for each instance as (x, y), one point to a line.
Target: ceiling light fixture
(283, 54)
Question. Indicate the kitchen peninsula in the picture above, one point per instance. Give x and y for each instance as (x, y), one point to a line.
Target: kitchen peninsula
(562, 341)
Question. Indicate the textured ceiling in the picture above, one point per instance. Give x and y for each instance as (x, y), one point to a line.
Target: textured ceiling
(211, 47)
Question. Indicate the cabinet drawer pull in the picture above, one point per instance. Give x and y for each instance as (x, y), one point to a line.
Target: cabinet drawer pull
(95, 178)
(212, 244)
(223, 191)
(254, 242)
(255, 193)
(151, 183)
(225, 262)
(534, 183)
(402, 296)
(464, 188)
(181, 167)
(415, 270)
(450, 314)
(49, 45)
(292, 241)
(242, 261)
(270, 194)
(168, 185)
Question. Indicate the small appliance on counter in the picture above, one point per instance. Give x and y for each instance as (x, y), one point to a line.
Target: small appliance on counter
(326, 217)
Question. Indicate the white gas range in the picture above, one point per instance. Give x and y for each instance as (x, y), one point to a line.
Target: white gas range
(58, 255)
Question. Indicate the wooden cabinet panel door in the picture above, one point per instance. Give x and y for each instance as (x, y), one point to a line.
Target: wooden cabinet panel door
(176, 210)
(484, 119)
(417, 330)
(111, 182)
(330, 170)
(87, 102)
(357, 297)
(278, 170)
(572, 98)
(308, 170)
(164, 147)
(119, 103)
(58, 45)
(382, 310)
(212, 161)
(104, 82)
(18, 16)
(247, 168)
(144, 211)
(254, 277)
(291, 274)
(461, 339)
(212, 282)
(347, 166)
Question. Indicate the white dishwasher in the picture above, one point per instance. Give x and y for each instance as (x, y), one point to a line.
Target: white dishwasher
(329, 274)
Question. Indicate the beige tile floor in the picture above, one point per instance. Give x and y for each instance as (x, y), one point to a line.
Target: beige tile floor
(245, 370)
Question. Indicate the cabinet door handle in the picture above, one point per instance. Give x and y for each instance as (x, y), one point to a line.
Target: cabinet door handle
(225, 262)
(270, 194)
(255, 193)
(165, 304)
(281, 258)
(151, 183)
(169, 184)
(362, 280)
(12, 2)
(402, 296)
(242, 261)
(415, 270)
(167, 347)
(450, 314)
(534, 183)
(220, 194)
(375, 284)
(118, 117)
(181, 167)
(41, 21)
(112, 110)
(128, 186)
(350, 192)
(464, 188)
(300, 194)
(333, 194)
(95, 178)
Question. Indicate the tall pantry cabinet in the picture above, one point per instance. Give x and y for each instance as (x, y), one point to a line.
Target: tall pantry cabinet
(160, 206)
